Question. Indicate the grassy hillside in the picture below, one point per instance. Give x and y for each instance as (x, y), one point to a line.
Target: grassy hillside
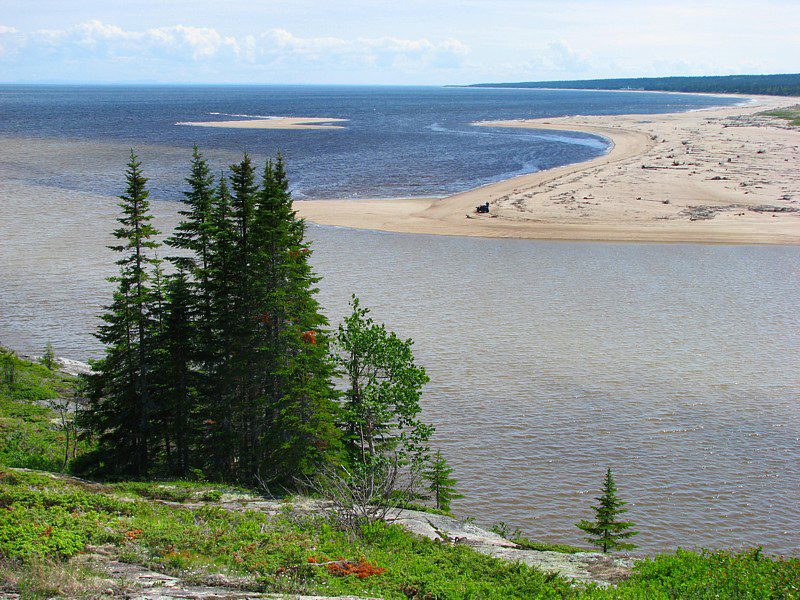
(59, 534)
(36, 415)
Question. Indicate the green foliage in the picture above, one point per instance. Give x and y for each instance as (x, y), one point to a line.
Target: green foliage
(48, 358)
(790, 113)
(606, 531)
(382, 393)
(775, 85)
(712, 574)
(120, 388)
(43, 516)
(37, 521)
(440, 484)
(8, 367)
(29, 435)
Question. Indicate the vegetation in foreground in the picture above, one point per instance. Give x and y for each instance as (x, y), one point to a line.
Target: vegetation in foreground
(47, 523)
(50, 524)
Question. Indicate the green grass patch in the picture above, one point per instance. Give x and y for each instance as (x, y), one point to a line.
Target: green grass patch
(712, 574)
(790, 113)
(180, 490)
(46, 518)
(32, 434)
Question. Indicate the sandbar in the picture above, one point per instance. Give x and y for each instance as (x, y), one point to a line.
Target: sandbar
(272, 123)
(723, 175)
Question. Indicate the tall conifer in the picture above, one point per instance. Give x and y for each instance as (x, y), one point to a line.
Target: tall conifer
(301, 426)
(120, 388)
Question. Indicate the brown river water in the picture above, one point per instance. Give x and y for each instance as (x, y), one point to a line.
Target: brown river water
(675, 365)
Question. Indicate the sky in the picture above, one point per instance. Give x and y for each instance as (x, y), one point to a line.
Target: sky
(402, 42)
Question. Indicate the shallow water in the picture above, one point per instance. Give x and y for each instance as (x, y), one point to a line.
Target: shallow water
(675, 365)
(549, 361)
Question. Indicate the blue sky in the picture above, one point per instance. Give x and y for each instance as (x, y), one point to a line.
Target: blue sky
(398, 42)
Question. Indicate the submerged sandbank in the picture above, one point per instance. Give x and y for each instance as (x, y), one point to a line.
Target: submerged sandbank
(713, 176)
(273, 123)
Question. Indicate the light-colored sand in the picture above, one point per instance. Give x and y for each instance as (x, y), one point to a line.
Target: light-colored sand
(711, 176)
(273, 123)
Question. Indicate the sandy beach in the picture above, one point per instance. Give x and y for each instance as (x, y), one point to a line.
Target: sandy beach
(272, 123)
(712, 176)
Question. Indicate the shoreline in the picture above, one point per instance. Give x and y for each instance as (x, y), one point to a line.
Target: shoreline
(719, 175)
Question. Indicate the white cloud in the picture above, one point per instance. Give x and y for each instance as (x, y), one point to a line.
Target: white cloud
(278, 46)
(273, 54)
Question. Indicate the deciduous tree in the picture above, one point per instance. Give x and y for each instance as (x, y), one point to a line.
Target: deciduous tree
(382, 393)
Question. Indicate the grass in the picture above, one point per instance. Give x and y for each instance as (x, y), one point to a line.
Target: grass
(47, 517)
(45, 521)
(48, 522)
(32, 434)
(790, 113)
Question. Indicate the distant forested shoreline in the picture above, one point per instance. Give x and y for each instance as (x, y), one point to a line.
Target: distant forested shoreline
(770, 85)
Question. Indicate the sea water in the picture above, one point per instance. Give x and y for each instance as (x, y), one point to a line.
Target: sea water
(675, 365)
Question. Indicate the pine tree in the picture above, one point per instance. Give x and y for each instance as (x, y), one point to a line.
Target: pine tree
(440, 484)
(194, 235)
(607, 532)
(120, 389)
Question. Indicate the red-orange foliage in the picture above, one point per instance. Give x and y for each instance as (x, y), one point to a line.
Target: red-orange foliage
(310, 337)
(360, 569)
(133, 534)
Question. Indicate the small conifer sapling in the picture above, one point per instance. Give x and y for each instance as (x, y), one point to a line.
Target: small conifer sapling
(440, 484)
(607, 532)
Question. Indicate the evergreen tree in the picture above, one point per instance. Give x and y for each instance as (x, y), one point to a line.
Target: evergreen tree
(120, 387)
(300, 427)
(48, 359)
(195, 236)
(607, 532)
(440, 484)
(217, 435)
(175, 379)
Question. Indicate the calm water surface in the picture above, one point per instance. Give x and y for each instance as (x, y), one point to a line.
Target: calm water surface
(676, 365)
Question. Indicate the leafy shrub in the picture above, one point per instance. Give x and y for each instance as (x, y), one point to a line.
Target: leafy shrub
(714, 574)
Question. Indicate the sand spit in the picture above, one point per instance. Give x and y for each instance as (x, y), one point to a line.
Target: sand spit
(713, 176)
(273, 123)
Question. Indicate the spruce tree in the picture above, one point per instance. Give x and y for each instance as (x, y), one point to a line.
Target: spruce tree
(120, 389)
(195, 235)
(175, 378)
(217, 436)
(606, 531)
(440, 484)
(300, 427)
